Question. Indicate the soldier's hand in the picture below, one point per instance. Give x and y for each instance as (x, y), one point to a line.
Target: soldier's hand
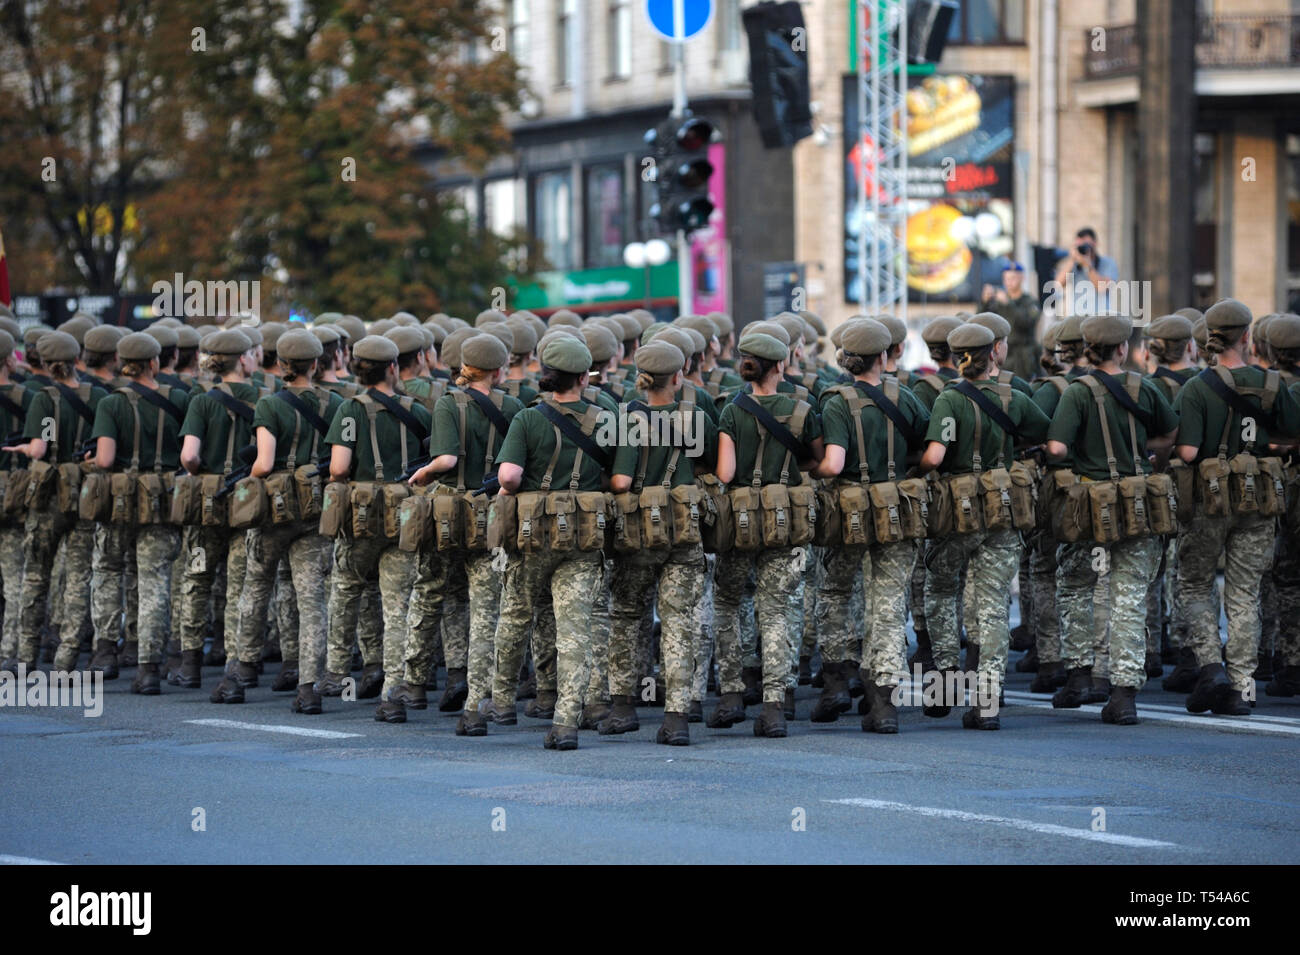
(422, 476)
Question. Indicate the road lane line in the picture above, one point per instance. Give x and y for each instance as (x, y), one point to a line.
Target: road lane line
(1242, 724)
(1047, 828)
(25, 860)
(267, 728)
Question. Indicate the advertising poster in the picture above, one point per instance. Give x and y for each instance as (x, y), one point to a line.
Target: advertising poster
(960, 219)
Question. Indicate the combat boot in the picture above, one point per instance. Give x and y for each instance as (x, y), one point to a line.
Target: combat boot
(940, 710)
(853, 678)
(1264, 668)
(972, 719)
(147, 682)
(500, 714)
(1029, 662)
(390, 711)
(357, 662)
(453, 697)
(696, 712)
(924, 655)
(172, 669)
(753, 680)
(371, 682)
(1154, 668)
(527, 688)
(805, 671)
(416, 697)
(835, 697)
(331, 684)
(229, 690)
(1022, 638)
(771, 722)
(788, 706)
(621, 719)
(1285, 682)
(246, 674)
(1121, 709)
(561, 737)
(287, 678)
(1183, 677)
(593, 713)
(729, 711)
(675, 731)
(131, 654)
(104, 659)
(471, 723)
(972, 656)
(270, 651)
(1211, 686)
(1049, 677)
(1077, 689)
(542, 707)
(1100, 690)
(1232, 703)
(883, 715)
(307, 701)
(191, 669)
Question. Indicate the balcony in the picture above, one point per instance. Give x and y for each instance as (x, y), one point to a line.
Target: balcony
(1222, 43)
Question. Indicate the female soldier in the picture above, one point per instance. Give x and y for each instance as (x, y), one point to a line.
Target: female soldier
(468, 428)
(676, 574)
(218, 424)
(138, 429)
(1098, 445)
(865, 443)
(1234, 412)
(290, 428)
(748, 453)
(991, 558)
(535, 450)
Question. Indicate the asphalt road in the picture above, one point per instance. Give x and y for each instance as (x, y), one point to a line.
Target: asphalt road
(126, 787)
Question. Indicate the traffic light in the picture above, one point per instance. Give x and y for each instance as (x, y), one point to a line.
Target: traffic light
(682, 172)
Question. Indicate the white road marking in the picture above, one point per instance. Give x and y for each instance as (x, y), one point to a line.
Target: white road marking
(267, 728)
(1135, 842)
(24, 860)
(1159, 713)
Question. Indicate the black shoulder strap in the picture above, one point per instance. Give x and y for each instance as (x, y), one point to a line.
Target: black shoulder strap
(574, 434)
(1236, 401)
(492, 412)
(773, 427)
(74, 401)
(11, 406)
(891, 410)
(1125, 400)
(230, 402)
(157, 400)
(403, 415)
(998, 416)
(304, 410)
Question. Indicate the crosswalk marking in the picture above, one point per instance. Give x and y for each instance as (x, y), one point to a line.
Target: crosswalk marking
(276, 728)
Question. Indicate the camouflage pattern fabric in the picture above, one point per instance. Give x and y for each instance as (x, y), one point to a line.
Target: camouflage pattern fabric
(454, 610)
(484, 607)
(1042, 583)
(358, 563)
(427, 614)
(306, 554)
(11, 580)
(1131, 565)
(1286, 583)
(206, 548)
(839, 621)
(887, 570)
(114, 547)
(155, 549)
(777, 574)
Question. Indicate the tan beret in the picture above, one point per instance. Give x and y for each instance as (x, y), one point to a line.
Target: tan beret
(381, 327)
(994, 322)
(352, 328)
(451, 344)
(1284, 331)
(660, 358)
(564, 316)
(525, 336)
(1227, 313)
(600, 342)
(228, 341)
(1189, 313)
(253, 333)
(327, 318)
(897, 328)
(502, 331)
(326, 334)
(403, 318)
(762, 345)
(138, 346)
(1107, 329)
(680, 337)
(775, 329)
(165, 334)
(8, 324)
(814, 321)
(187, 337)
(1170, 327)
(866, 337)
(376, 348)
(299, 344)
(57, 346)
(723, 322)
(489, 315)
(566, 353)
(937, 329)
(484, 351)
(271, 332)
(406, 339)
(6, 344)
(32, 334)
(1070, 330)
(77, 326)
(968, 336)
(103, 339)
(644, 317)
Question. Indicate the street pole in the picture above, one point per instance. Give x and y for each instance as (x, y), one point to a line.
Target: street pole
(679, 113)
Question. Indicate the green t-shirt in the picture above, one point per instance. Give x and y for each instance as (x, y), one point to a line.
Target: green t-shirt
(279, 418)
(1202, 414)
(925, 391)
(37, 380)
(996, 447)
(350, 428)
(478, 430)
(698, 434)
(13, 422)
(426, 390)
(1166, 386)
(521, 388)
(531, 442)
(114, 418)
(72, 429)
(742, 427)
(221, 431)
(839, 428)
(1077, 425)
(1047, 396)
(703, 400)
(266, 380)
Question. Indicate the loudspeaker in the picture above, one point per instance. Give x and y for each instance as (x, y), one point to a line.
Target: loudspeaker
(778, 72)
(928, 22)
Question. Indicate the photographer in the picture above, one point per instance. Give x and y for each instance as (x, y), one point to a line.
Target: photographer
(1089, 273)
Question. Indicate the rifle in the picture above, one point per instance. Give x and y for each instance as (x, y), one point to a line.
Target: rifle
(414, 466)
(490, 485)
(247, 455)
(14, 439)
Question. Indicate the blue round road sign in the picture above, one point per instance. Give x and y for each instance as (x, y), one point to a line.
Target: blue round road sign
(660, 14)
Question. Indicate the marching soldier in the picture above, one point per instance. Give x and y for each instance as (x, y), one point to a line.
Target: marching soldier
(14, 401)
(1284, 340)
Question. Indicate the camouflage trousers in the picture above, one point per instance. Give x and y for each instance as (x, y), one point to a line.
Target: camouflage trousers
(794, 607)
(1246, 544)
(358, 563)
(677, 578)
(205, 549)
(916, 591)
(46, 533)
(747, 621)
(990, 561)
(111, 612)
(840, 619)
(428, 613)
(299, 547)
(454, 613)
(11, 580)
(886, 573)
(1128, 567)
(704, 627)
(1286, 581)
(1043, 599)
(778, 576)
(155, 547)
(484, 607)
(811, 596)
(598, 675)
(572, 581)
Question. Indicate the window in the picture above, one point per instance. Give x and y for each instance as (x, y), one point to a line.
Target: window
(988, 22)
(564, 13)
(606, 231)
(1205, 216)
(618, 40)
(553, 218)
(501, 205)
(520, 41)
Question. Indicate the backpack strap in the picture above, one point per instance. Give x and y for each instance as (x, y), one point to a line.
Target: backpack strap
(1099, 394)
(372, 413)
(133, 399)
